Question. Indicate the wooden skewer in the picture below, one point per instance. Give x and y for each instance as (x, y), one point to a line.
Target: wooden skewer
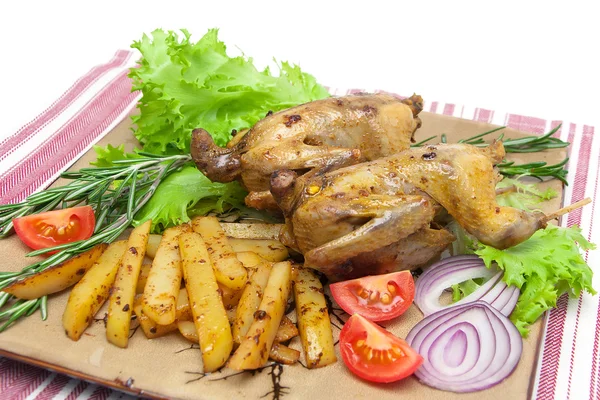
(567, 209)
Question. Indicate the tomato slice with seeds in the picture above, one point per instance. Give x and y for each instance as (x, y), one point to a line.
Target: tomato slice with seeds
(374, 354)
(53, 228)
(377, 297)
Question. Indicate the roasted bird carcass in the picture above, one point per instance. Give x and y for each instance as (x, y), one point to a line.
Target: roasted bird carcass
(333, 132)
(379, 216)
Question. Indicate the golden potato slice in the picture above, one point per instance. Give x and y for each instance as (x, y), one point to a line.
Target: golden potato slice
(283, 354)
(164, 281)
(57, 278)
(252, 231)
(151, 329)
(188, 330)
(254, 350)
(90, 293)
(229, 271)
(120, 306)
(207, 307)
(143, 278)
(231, 315)
(272, 250)
(251, 298)
(286, 331)
(279, 352)
(230, 297)
(249, 260)
(153, 242)
(184, 312)
(313, 319)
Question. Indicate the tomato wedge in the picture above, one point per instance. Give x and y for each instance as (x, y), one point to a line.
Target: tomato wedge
(53, 228)
(378, 297)
(374, 354)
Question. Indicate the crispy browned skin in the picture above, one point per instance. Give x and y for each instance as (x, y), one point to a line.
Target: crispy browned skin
(379, 213)
(330, 133)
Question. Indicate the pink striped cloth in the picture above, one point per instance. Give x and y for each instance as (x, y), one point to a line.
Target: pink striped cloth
(569, 360)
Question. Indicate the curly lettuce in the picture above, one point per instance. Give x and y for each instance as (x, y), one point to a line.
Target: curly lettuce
(187, 85)
(544, 267)
(525, 196)
(184, 193)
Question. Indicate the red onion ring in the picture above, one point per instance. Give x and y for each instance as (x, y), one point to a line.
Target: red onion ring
(466, 348)
(454, 270)
(512, 302)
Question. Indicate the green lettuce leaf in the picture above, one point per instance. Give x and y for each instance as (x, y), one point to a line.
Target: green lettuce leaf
(184, 191)
(187, 85)
(106, 155)
(526, 197)
(464, 289)
(544, 267)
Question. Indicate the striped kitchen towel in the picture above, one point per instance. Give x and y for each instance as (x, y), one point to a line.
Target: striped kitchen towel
(569, 361)
(35, 155)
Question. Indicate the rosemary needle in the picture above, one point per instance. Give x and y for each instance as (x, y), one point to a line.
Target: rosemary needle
(115, 193)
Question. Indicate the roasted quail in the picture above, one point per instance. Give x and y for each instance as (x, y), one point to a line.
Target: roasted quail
(378, 216)
(330, 133)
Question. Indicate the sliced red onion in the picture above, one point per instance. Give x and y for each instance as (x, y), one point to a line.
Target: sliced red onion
(454, 270)
(502, 297)
(466, 348)
(512, 301)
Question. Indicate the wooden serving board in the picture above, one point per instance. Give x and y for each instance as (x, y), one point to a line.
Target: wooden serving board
(168, 367)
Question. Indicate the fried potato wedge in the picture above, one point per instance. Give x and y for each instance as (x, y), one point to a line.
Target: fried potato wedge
(143, 278)
(272, 250)
(90, 293)
(57, 278)
(164, 281)
(313, 319)
(279, 352)
(207, 307)
(254, 349)
(188, 330)
(151, 329)
(283, 354)
(231, 315)
(249, 260)
(251, 298)
(184, 312)
(252, 231)
(229, 271)
(120, 306)
(153, 242)
(287, 330)
(230, 297)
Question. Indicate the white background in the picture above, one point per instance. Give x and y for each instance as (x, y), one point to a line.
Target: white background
(532, 58)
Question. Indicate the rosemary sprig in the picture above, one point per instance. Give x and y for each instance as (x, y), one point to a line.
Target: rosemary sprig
(528, 144)
(422, 142)
(535, 169)
(115, 193)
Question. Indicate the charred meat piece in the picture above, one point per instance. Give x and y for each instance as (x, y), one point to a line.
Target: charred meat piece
(329, 133)
(369, 214)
